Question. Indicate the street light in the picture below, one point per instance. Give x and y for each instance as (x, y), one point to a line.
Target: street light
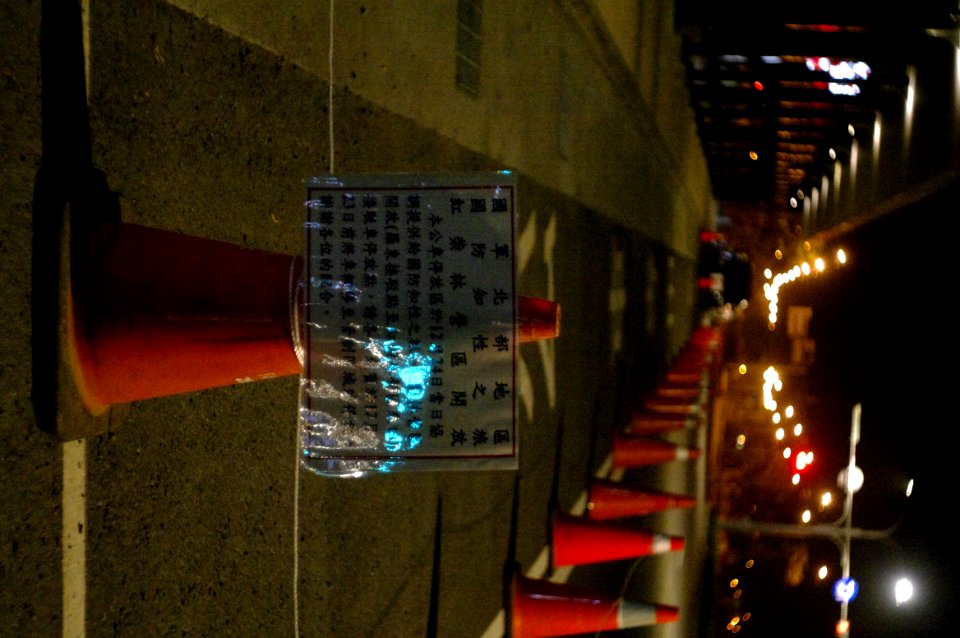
(903, 591)
(841, 531)
(851, 480)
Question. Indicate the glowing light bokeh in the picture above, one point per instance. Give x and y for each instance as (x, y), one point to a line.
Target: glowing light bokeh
(902, 590)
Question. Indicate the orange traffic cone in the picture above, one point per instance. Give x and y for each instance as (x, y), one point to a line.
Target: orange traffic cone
(688, 391)
(635, 451)
(672, 405)
(707, 337)
(647, 422)
(154, 313)
(695, 374)
(538, 319)
(579, 541)
(609, 499)
(693, 357)
(541, 609)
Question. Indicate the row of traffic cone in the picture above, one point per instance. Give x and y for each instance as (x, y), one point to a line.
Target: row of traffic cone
(679, 401)
(155, 313)
(542, 608)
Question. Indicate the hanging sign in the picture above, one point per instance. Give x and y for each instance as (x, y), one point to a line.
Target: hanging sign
(409, 323)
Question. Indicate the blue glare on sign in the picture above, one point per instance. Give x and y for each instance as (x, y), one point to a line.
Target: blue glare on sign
(414, 380)
(392, 440)
(845, 590)
(406, 382)
(390, 347)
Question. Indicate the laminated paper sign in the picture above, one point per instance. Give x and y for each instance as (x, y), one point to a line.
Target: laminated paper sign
(409, 323)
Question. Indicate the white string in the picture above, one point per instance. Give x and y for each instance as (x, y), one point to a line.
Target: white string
(296, 541)
(299, 442)
(330, 88)
(295, 321)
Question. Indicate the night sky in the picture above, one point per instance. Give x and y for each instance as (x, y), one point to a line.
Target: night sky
(886, 337)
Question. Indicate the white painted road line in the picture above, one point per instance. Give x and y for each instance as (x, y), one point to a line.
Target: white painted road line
(73, 538)
(73, 497)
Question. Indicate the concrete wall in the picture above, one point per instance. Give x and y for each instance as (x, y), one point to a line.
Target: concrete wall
(557, 102)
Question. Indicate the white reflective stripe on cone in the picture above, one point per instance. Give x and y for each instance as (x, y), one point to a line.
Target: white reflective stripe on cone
(634, 614)
(661, 544)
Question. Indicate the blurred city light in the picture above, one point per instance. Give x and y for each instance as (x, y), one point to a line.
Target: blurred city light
(850, 479)
(845, 590)
(903, 590)
(771, 289)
